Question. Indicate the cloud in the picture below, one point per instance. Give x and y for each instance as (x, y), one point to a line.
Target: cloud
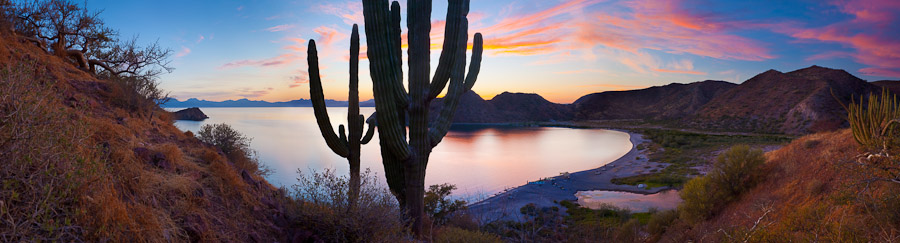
(351, 12)
(614, 87)
(278, 28)
(581, 71)
(328, 36)
(280, 60)
(871, 33)
(679, 71)
(184, 52)
(240, 8)
(200, 38)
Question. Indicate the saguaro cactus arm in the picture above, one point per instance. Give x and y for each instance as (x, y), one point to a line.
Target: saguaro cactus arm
(382, 65)
(318, 100)
(440, 127)
(369, 132)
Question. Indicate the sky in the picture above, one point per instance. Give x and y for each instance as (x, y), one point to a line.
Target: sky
(560, 49)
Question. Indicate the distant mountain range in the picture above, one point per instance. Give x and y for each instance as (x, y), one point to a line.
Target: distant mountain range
(798, 102)
(194, 102)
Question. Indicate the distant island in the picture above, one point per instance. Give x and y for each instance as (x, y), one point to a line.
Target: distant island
(194, 102)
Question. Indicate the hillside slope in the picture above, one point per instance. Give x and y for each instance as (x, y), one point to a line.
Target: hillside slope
(670, 101)
(506, 108)
(892, 85)
(796, 102)
(84, 162)
(810, 192)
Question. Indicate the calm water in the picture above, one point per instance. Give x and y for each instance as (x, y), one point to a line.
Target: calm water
(480, 160)
(632, 201)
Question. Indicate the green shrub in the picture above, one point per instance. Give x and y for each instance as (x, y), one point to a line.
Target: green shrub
(734, 172)
(699, 199)
(235, 145)
(439, 206)
(737, 169)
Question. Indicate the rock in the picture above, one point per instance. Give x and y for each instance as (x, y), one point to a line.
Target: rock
(154, 158)
(190, 114)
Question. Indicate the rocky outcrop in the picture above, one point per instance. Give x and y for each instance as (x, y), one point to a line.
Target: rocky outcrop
(672, 101)
(506, 108)
(190, 114)
(798, 102)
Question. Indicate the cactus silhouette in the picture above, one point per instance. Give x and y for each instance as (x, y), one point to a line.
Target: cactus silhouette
(345, 145)
(405, 161)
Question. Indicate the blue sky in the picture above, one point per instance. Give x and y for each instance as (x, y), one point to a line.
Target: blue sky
(561, 49)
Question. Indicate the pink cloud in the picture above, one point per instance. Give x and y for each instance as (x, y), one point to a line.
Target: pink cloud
(351, 12)
(279, 28)
(679, 71)
(328, 36)
(268, 62)
(869, 33)
(184, 52)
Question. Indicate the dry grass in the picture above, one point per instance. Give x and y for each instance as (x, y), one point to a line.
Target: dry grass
(809, 194)
(71, 173)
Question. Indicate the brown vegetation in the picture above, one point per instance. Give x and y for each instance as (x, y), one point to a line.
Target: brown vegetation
(79, 164)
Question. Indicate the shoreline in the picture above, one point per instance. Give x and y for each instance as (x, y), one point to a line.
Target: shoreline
(506, 205)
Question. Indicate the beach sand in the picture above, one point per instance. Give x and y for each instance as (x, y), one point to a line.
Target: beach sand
(506, 205)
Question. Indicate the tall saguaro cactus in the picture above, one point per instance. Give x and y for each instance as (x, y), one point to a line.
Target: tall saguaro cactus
(405, 157)
(342, 144)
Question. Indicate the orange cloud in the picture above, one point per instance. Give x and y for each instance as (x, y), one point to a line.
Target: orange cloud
(328, 36)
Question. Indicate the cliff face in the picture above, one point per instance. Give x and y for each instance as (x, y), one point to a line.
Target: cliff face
(803, 101)
(190, 114)
(671, 101)
(506, 108)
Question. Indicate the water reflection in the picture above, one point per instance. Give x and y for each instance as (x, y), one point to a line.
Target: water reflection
(632, 201)
(478, 159)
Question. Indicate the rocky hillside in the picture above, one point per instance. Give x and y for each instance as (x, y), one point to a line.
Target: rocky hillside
(892, 85)
(810, 191)
(506, 108)
(797, 102)
(83, 160)
(671, 101)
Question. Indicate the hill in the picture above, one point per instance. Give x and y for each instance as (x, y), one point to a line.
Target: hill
(892, 85)
(88, 159)
(666, 102)
(194, 102)
(506, 108)
(810, 191)
(796, 102)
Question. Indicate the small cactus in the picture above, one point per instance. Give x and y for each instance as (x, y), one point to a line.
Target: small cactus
(343, 144)
(872, 123)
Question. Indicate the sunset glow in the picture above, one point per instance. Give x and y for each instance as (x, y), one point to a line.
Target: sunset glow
(560, 49)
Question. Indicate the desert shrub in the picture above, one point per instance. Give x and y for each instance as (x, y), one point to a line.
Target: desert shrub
(323, 208)
(660, 221)
(438, 204)
(225, 138)
(454, 234)
(734, 172)
(700, 198)
(737, 169)
(235, 145)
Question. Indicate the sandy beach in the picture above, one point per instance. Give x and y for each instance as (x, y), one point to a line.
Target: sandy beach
(506, 205)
